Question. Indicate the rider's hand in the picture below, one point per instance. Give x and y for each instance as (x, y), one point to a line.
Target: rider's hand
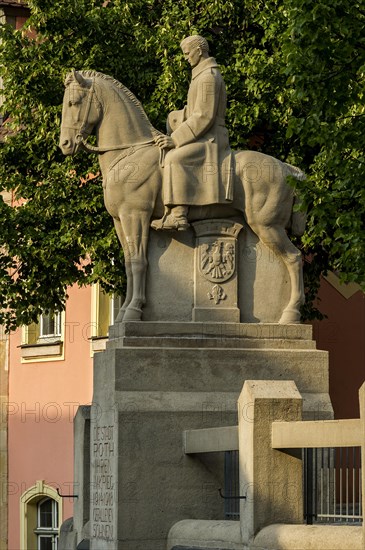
(164, 142)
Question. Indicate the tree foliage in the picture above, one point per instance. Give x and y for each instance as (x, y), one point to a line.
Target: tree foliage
(325, 53)
(294, 71)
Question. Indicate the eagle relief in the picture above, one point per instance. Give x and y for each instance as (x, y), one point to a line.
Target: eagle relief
(215, 271)
(217, 261)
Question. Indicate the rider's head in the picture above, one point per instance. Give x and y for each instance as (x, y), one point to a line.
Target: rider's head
(194, 48)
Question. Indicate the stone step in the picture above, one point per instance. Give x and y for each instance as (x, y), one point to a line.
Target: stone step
(210, 330)
(208, 342)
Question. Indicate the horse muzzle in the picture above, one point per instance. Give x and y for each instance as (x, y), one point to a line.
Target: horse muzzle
(69, 146)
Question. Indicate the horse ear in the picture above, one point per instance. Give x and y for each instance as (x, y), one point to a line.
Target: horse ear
(68, 78)
(80, 79)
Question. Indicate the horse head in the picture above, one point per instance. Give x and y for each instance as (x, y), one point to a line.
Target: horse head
(80, 113)
(93, 100)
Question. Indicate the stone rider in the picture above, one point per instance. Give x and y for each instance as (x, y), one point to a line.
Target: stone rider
(199, 159)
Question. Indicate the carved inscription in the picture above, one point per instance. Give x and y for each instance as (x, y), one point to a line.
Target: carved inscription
(103, 482)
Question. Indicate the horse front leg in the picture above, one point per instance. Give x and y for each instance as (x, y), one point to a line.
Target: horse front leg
(138, 265)
(136, 230)
(276, 239)
(128, 270)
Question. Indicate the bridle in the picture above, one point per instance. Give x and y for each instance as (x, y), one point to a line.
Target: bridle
(82, 130)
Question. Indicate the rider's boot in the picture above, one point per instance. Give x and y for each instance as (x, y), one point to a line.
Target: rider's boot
(158, 224)
(176, 220)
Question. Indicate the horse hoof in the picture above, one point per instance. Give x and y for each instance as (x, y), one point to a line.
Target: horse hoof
(132, 314)
(290, 317)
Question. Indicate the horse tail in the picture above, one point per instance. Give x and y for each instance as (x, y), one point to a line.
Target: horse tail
(298, 217)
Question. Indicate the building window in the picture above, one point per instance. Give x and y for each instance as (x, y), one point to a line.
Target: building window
(44, 339)
(105, 309)
(40, 517)
(116, 303)
(47, 524)
(49, 326)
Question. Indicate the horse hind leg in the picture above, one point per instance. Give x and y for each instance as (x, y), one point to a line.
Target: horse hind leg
(276, 239)
(291, 313)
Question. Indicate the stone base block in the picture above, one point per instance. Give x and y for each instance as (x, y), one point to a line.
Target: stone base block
(309, 537)
(263, 284)
(197, 534)
(220, 315)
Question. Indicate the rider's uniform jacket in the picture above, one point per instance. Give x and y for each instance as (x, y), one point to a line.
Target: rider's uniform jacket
(199, 170)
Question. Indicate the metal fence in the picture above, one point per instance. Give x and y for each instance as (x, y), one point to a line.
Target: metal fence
(332, 485)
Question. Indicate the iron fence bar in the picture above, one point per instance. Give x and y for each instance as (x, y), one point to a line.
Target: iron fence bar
(334, 480)
(341, 480)
(309, 487)
(347, 481)
(361, 511)
(322, 479)
(353, 478)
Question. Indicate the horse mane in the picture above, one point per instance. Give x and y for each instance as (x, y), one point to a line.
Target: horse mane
(132, 98)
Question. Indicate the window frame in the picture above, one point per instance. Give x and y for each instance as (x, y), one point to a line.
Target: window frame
(47, 532)
(99, 317)
(29, 503)
(57, 322)
(47, 536)
(54, 513)
(46, 347)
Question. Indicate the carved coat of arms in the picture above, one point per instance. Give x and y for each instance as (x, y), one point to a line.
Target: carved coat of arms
(217, 261)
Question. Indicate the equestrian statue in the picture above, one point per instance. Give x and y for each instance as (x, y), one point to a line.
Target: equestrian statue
(162, 182)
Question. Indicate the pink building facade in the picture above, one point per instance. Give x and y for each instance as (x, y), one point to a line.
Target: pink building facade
(45, 390)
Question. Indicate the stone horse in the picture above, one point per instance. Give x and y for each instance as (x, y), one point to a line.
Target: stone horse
(132, 181)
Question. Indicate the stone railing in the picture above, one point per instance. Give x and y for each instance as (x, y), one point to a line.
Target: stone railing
(270, 436)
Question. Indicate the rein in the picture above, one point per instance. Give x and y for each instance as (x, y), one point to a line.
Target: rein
(93, 149)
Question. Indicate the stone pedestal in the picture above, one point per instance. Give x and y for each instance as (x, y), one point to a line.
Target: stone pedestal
(156, 380)
(263, 286)
(183, 368)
